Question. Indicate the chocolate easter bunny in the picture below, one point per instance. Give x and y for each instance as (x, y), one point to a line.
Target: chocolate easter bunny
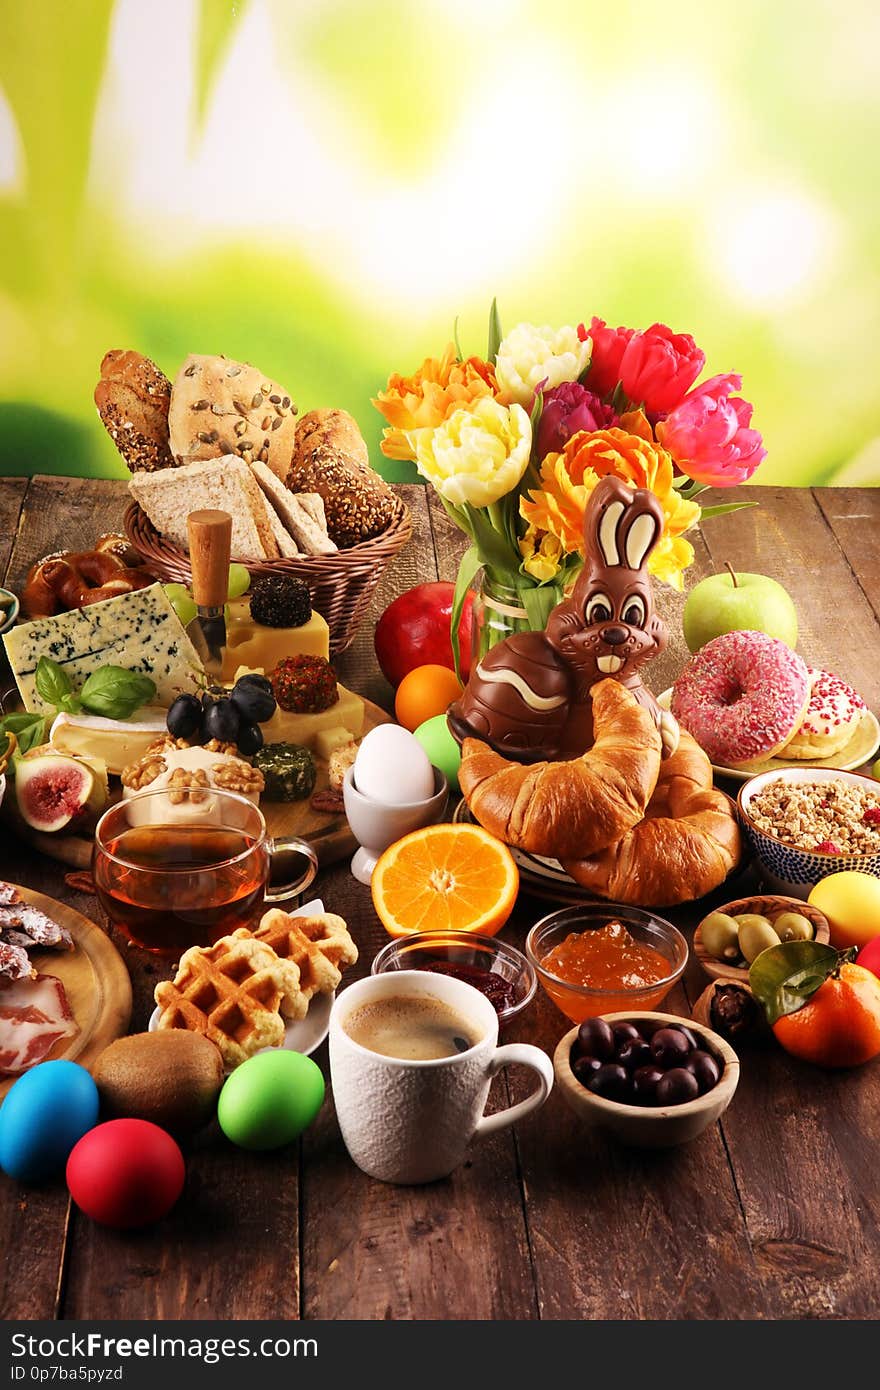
(529, 696)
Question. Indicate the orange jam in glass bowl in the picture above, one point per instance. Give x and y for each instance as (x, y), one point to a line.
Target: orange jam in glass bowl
(596, 958)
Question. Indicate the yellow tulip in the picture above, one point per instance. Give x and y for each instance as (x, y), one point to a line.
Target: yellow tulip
(542, 555)
(529, 355)
(477, 455)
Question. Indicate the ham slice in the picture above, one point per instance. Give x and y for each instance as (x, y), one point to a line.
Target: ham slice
(34, 1016)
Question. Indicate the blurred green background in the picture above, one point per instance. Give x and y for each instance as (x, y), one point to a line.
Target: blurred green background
(321, 186)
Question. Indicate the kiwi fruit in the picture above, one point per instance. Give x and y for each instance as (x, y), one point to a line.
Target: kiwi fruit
(171, 1077)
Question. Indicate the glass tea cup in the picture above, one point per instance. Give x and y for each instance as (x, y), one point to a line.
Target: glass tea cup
(170, 879)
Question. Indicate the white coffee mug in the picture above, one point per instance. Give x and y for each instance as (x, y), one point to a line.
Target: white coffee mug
(411, 1121)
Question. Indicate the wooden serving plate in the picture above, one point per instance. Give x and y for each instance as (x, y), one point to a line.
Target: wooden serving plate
(766, 905)
(95, 981)
(328, 834)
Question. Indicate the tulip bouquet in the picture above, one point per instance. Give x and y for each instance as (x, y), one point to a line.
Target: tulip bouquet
(515, 442)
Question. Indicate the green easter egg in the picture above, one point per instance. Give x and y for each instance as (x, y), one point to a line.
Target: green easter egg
(441, 748)
(270, 1099)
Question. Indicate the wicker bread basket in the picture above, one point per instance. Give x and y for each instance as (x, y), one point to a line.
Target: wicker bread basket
(341, 584)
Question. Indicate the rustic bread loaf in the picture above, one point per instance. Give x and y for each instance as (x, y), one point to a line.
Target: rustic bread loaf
(223, 407)
(335, 428)
(226, 483)
(133, 397)
(331, 459)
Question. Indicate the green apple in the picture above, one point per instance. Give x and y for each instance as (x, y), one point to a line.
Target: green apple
(737, 602)
(875, 770)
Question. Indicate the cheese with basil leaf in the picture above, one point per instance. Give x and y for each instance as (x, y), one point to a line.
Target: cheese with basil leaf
(139, 631)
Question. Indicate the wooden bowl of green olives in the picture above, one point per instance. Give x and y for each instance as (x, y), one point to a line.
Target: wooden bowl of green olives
(731, 937)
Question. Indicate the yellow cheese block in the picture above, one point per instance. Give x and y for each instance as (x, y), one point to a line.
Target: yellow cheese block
(330, 739)
(253, 645)
(304, 729)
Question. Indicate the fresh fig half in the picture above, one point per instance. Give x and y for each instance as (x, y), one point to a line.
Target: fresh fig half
(55, 792)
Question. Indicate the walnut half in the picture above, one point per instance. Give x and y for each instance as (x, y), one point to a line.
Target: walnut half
(140, 774)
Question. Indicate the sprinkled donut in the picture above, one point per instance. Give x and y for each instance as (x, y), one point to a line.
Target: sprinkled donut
(742, 697)
(831, 719)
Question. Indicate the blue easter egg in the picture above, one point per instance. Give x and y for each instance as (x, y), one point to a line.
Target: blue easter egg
(44, 1115)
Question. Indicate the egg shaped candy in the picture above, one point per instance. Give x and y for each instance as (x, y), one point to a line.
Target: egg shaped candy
(46, 1112)
(441, 748)
(423, 693)
(270, 1099)
(851, 902)
(392, 768)
(126, 1173)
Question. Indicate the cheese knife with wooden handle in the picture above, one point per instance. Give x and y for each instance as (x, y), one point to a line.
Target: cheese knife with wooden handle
(210, 546)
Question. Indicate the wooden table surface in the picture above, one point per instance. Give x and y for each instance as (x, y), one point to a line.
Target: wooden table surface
(774, 1213)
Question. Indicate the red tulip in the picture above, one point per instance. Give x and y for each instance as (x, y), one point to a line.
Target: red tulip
(658, 367)
(609, 345)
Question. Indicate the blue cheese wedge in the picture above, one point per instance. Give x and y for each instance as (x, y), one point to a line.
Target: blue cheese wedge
(139, 631)
(117, 741)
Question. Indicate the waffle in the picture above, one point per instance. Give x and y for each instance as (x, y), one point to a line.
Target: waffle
(232, 993)
(319, 946)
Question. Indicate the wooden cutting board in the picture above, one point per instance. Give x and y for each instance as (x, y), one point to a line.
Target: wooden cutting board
(329, 835)
(95, 981)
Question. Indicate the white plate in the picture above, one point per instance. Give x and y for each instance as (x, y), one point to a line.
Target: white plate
(860, 749)
(306, 1034)
(303, 1036)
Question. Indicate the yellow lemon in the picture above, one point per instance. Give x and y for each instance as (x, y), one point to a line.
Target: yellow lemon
(851, 902)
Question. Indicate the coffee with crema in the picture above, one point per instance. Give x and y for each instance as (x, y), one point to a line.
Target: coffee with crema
(411, 1027)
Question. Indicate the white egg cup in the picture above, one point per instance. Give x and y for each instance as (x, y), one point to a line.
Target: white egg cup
(376, 825)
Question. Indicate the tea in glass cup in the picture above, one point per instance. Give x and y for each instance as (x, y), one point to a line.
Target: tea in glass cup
(169, 885)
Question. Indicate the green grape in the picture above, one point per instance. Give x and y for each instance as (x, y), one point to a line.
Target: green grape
(239, 581)
(181, 602)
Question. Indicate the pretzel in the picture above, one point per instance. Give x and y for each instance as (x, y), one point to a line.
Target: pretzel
(61, 582)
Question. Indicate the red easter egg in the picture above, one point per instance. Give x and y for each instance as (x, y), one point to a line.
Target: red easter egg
(126, 1173)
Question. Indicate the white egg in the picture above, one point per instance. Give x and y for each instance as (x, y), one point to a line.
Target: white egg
(392, 767)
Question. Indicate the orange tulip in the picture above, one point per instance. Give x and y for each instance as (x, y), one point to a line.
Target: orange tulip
(568, 478)
(425, 399)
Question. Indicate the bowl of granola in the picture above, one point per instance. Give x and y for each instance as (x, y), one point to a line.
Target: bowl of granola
(804, 823)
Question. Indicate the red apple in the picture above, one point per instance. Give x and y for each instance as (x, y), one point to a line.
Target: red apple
(414, 631)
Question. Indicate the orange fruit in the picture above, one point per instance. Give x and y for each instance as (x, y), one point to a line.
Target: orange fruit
(445, 878)
(426, 691)
(839, 1026)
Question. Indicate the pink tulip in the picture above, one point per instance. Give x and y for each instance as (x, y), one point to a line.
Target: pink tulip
(567, 409)
(708, 435)
(609, 345)
(658, 367)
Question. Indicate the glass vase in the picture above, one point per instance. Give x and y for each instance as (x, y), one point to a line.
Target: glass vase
(497, 613)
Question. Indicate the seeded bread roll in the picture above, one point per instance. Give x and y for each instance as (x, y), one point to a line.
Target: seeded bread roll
(226, 483)
(133, 397)
(331, 459)
(223, 407)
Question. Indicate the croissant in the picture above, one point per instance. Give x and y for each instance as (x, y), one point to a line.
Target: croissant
(570, 809)
(686, 845)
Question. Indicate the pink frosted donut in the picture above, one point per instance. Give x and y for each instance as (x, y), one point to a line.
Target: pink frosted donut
(742, 697)
(831, 719)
